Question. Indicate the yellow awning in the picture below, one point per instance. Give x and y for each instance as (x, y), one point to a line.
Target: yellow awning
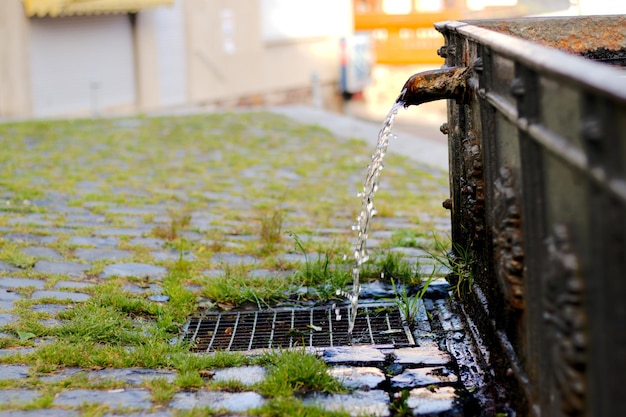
(54, 8)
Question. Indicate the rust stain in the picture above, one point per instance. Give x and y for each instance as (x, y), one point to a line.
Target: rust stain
(574, 36)
(472, 208)
(508, 239)
(445, 83)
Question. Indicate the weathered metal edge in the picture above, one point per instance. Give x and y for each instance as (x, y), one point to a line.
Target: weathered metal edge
(570, 67)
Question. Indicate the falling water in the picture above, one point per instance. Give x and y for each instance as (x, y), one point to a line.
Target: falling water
(362, 225)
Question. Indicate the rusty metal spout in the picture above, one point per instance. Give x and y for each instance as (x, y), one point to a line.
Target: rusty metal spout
(444, 83)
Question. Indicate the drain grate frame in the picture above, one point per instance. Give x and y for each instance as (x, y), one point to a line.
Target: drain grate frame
(289, 327)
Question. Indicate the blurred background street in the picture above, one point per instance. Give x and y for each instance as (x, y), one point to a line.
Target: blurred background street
(68, 58)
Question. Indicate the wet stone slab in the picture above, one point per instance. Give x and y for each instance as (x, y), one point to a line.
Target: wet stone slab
(8, 297)
(9, 282)
(6, 318)
(42, 252)
(49, 412)
(5, 267)
(91, 255)
(159, 298)
(13, 371)
(139, 289)
(129, 221)
(233, 259)
(149, 242)
(192, 236)
(119, 231)
(99, 242)
(49, 308)
(376, 289)
(136, 211)
(236, 402)
(357, 403)
(142, 414)
(425, 401)
(117, 398)
(61, 375)
(60, 295)
(353, 355)
(133, 269)
(72, 284)
(72, 269)
(172, 255)
(132, 376)
(246, 375)
(364, 378)
(448, 320)
(412, 378)
(7, 305)
(13, 351)
(263, 273)
(426, 354)
(18, 396)
(29, 238)
(33, 219)
(294, 257)
(85, 219)
(213, 273)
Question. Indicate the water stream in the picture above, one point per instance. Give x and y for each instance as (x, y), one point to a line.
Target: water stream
(368, 210)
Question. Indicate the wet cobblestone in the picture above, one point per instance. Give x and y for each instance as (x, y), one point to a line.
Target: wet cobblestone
(68, 250)
(117, 398)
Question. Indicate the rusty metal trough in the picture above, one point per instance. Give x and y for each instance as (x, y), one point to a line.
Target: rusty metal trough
(538, 198)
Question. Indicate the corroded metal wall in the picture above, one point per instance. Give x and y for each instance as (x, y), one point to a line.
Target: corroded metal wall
(538, 182)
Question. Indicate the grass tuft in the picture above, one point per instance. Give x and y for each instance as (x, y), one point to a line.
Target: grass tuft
(393, 265)
(296, 372)
(459, 262)
(235, 287)
(271, 231)
(171, 231)
(322, 276)
(293, 407)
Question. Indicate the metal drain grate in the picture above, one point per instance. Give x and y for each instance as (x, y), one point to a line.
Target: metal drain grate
(376, 324)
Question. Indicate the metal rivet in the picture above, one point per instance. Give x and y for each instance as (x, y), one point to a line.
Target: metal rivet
(444, 128)
(477, 65)
(446, 51)
(518, 88)
(592, 129)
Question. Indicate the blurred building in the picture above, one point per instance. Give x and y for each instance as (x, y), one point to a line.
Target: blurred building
(73, 58)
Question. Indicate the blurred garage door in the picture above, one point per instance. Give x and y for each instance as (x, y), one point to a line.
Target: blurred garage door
(81, 64)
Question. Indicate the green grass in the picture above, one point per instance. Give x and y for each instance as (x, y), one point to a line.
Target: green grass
(235, 287)
(296, 372)
(408, 306)
(12, 254)
(179, 220)
(323, 273)
(271, 223)
(190, 167)
(458, 261)
(196, 412)
(292, 407)
(394, 266)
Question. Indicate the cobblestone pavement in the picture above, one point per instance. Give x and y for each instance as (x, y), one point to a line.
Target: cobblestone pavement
(82, 213)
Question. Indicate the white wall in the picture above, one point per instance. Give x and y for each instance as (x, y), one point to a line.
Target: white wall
(592, 7)
(297, 19)
(171, 54)
(81, 64)
(602, 7)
